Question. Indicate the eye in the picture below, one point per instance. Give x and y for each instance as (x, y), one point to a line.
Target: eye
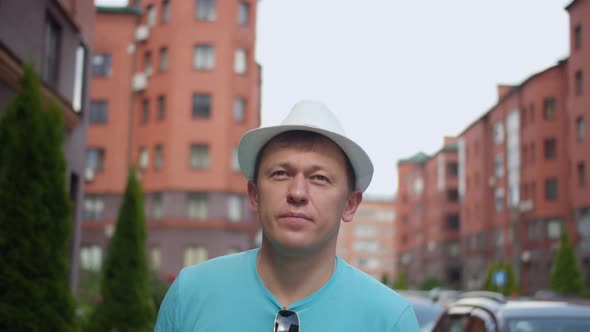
(279, 174)
(320, 178)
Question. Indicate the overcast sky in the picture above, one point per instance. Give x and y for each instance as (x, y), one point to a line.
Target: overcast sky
(401, 74)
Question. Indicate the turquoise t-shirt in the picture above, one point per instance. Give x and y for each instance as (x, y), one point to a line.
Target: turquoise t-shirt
(226, 294)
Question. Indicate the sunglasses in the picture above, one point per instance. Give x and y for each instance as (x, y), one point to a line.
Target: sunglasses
(286, 321)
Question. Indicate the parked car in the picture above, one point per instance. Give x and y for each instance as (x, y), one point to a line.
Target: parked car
(426, 311)
(492, 312)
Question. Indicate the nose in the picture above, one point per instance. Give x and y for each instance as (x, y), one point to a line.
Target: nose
(297, 190)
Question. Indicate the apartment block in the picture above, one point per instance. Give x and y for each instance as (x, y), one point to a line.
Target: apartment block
(175, 86)
(55, 37)
(367, 241)
(522, 175)
(427, 232)
(578, 119)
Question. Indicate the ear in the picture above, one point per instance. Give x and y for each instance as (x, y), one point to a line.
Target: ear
(353, 202)
(253, 195)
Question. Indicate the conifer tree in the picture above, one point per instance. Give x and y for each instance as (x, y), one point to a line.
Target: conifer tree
(401, 282)
(126, 301)
(35, 215)
(509, 287)
(566, 277)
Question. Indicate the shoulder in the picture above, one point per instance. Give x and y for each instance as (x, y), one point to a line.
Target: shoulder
(216, 269)
(364, 286)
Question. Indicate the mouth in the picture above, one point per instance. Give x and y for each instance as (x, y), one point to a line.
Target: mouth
(295, 217)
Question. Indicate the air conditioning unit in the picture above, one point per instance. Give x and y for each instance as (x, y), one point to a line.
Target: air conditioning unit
(142, 33)
(139, 82)
(89, 174)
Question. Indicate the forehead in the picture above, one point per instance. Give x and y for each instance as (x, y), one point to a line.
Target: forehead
(283, 145)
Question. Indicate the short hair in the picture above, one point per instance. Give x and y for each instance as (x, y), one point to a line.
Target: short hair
(303, 136)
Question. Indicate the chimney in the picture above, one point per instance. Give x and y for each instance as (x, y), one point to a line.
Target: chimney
(449, 140)
(503, 90)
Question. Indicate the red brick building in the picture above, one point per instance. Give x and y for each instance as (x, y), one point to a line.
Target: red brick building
(427, 228)
(578, 110)
(175, 85)
(522, 176)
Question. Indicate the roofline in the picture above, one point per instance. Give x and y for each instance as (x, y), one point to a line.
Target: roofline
(570, 5)
(515, 89)
(118, 10)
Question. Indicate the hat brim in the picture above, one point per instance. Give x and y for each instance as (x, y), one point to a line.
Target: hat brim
(253, 141)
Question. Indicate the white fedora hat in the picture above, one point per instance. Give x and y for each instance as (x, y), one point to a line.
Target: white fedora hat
(308, 116)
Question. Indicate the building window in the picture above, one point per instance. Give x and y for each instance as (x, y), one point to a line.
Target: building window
(101, 65)
(534, 230)
(243, 13)
(579, 83)
(581, 174)
(204, 57)
(93, 207)
(91, 257)
(499, 165)
(163, 59)
(165, 11)
(161, 107)
(197, 207)
(532, 153)
(201, 105)
(79, 78)
(145, 111)
(498, 133)
(95, 159)
(144, 158)
(453, 195)
(453, 170)
(159, 157)
(532, 113)
(499, 197)
(235, 163)
(239, 109)
(199, 156)
(550, 148)
(155, 258)
(206, 10)
(453, 222)
(195, 255)
(234, 208)
(553, 229)
(157, 206)
(580, 128)
(240, 61)
(578, 37)
(523, 116)
(147, 63)
(549, 109)
(51, 54)
(99, 111)
(551, 193)
(151, 15)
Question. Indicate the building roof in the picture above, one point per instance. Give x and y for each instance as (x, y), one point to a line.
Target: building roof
(418, 158)
(118, 10)
(451, 147)
(568, 7)
(514, 90)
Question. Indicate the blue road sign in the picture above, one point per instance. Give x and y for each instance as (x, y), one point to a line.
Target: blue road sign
(499, 278)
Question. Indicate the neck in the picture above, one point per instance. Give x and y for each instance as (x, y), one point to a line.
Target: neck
(292, 278)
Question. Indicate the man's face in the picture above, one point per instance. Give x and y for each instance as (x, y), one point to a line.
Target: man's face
(302, 194)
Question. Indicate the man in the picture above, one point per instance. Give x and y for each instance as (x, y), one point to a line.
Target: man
(305, 177)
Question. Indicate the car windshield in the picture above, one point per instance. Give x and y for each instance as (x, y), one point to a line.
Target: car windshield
(549, 324)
